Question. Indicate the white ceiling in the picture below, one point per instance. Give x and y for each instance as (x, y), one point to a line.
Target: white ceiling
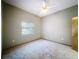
(34, 6)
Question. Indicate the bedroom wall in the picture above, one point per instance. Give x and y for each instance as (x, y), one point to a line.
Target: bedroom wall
(12, 18)
(57, 26)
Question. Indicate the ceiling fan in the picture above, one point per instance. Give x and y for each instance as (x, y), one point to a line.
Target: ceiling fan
(44, 6)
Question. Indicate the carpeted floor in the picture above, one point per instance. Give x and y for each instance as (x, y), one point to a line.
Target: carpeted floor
(41, 49)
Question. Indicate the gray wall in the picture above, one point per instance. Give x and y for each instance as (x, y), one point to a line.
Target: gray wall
(12, 18)
(57, 26)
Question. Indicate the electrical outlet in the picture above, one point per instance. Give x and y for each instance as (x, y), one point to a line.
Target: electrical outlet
(13, 41)
(62, 38)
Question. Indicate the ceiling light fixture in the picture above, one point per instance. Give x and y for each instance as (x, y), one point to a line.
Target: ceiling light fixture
(44, 6)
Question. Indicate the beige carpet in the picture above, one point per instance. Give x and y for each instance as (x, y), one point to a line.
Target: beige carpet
(41, 49)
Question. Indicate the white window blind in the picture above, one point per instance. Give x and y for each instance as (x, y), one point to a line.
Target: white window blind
(28, 28)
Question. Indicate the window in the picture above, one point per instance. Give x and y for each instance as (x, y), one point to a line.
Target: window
(27, 28)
